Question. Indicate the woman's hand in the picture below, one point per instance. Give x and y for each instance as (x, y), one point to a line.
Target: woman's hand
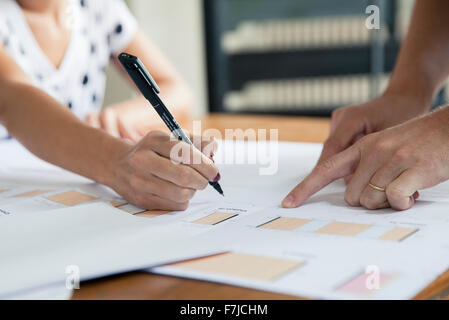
(162, 173)
(130, 120)
(400, 160)
(350, 123)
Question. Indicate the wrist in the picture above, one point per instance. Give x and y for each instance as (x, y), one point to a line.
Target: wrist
(112, 152)
(415, 102)
(417, 91)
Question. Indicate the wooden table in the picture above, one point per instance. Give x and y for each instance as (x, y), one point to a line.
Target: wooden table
(139, 285)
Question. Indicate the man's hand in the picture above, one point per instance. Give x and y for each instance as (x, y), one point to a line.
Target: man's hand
(351, 123)
(401, 160)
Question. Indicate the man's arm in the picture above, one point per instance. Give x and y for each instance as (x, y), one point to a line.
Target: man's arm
(421, 68)
(423, 62)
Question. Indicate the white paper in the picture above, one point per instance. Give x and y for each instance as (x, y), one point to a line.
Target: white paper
(50, 292)
(329, 260)
(37, 248)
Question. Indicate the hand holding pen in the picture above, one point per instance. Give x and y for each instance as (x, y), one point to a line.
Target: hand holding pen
(150, 91)
(146, 176)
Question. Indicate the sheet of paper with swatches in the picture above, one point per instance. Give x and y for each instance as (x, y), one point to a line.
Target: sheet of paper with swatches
(324, 249)
(337, 248)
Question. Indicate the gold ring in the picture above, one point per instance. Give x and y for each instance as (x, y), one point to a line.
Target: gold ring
(373, 186)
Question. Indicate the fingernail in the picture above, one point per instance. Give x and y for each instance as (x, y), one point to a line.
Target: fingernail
(288, 202)
(217, 178)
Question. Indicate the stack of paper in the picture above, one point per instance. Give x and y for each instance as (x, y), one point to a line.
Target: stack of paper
(44, 248)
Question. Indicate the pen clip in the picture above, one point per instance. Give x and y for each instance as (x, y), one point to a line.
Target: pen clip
(143, 71)
(133, 63)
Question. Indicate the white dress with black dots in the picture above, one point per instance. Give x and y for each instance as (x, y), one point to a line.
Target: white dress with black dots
(100, 29)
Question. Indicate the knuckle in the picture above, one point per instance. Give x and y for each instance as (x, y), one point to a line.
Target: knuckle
(367, 138)
(107, 114)
(334, 144)
(154, 138)
(336, 113)
(378, 149)
(121, 122)
(400, 156)
(394, 192)
(369, 202)
(158, 134)
(351, 200)
(400, 205)
(326, 166)
(204, 184)
(186, 195)
(182, 206)
(186, 177)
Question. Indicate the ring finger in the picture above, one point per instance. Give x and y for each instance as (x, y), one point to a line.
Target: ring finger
(377, 199)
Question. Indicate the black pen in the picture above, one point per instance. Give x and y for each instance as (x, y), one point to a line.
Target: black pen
(148, 87)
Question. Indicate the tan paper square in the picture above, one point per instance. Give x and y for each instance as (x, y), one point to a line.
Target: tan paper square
(242, 265)
(344, 228)
(71, 198)
(31, 193)
(118, 203)
(285, 223)
(398, 234)
(151, 214)
(215, 218)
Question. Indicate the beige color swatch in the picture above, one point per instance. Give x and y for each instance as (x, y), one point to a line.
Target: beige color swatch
(397, 234)
(151, 214)
(3, 190)
(71, 198)
(242, 265)
(215, 218)
(31, 193)
(285, 223)
(343, 228)
(118, 203)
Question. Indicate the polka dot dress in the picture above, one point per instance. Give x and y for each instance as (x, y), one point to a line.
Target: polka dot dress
(100, 29)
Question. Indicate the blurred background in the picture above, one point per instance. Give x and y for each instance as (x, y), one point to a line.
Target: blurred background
(301, 57)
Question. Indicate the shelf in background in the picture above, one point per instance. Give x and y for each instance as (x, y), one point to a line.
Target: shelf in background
(304, 63)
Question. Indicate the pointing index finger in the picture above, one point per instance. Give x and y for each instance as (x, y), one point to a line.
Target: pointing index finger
(336, 167)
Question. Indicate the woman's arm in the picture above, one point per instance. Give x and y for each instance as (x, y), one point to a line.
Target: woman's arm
(135, 117)
(143, 173)
(50, 130)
